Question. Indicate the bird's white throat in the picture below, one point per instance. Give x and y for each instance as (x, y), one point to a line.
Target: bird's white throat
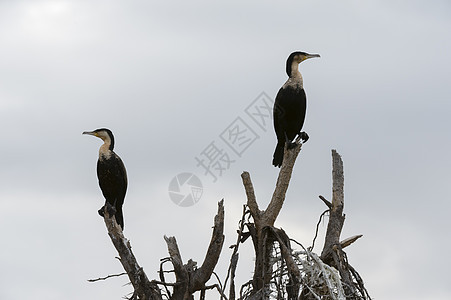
(104, 151)
(294, 82)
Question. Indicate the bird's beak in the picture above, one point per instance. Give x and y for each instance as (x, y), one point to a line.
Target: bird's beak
(311, 56)
(90, 133)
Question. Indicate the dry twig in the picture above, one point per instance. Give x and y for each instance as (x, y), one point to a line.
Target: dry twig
(106, 277)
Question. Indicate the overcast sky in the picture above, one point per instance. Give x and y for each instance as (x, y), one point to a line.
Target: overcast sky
(169, 79)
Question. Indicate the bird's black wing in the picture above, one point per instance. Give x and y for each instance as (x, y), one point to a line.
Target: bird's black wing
(113, 183)
(279, 128)
(278, 114)
(112, 179)
(289, 112)
(123, 178)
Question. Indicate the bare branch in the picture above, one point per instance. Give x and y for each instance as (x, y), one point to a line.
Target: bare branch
(142, 286)
(327, 202)
(189, 278)
(202, 275)
(251, 200)
(161, 273)
(106, 277)
(165, 283)
(218, 288)
(234, 258)
(278, 197)
(346, 242)
(317, 229)
(338, 181)
(333, 253)
(292, 268)
(262, 242)
(175, 256)
(337, 218)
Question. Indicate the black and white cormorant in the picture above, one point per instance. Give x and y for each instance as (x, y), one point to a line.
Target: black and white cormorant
(290, 106)
(111, 174)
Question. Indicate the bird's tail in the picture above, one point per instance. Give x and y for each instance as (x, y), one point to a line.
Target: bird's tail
(278, 155)
(119, 216)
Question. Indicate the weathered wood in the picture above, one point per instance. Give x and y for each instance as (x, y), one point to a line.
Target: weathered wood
(241, 237)
(278, 197)
(181, 288)
(269, 215)
(333, 253)
(203, 274)
(346, 242)
(144, 289)
(262, 242)
(327, 202)
(336, 218)
(294, 273)
(251, 199)
(189, 278)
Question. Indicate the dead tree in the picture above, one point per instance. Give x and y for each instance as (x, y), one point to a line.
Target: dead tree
(333, 253)
(189, 278)
(280, 271)
(308, 276)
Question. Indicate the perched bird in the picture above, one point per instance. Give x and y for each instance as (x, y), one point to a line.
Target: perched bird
(111, 174)
(289, 107)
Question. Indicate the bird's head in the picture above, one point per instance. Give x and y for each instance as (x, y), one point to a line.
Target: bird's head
(105, 134)
(296, 58)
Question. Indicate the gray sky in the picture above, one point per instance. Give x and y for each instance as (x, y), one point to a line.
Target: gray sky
(168, 78)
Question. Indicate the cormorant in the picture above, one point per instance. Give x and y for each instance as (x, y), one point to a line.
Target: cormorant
(111, 174)
(289, 107)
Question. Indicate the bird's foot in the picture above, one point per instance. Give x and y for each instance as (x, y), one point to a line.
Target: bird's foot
(304, 136)
(108, 208)
(101, 211)
(291, 145)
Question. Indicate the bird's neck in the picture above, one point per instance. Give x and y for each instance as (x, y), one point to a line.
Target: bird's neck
(295, 71)
(104, 151)
(295, 79)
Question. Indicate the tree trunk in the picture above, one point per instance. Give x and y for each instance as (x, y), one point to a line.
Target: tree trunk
(263, 243)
